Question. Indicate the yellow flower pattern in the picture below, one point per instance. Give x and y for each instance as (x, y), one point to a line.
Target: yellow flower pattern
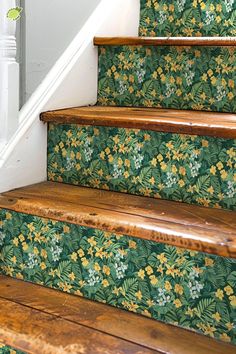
(188, 18)
(195, 78)
(5, 349)
(191, 169)
(189, 289)
(193, 290)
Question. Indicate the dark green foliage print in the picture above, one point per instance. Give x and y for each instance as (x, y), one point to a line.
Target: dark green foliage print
(188, 18)
(4, 349)
(189, 289)
(192, 169)
(195, 78)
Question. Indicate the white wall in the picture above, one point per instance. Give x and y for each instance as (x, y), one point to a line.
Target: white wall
(50, 27)
(71, 82)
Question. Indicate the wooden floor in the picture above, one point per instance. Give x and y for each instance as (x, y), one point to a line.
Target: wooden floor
(156, 119)
(178, 224)
(45, 321)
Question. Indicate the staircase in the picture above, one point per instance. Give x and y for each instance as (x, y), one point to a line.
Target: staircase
(139, 208)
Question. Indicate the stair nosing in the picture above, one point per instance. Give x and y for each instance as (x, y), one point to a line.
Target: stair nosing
(212, 240)
(160, 120)
(164, 41)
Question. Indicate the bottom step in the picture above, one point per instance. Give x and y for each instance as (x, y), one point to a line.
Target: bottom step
(35, 319)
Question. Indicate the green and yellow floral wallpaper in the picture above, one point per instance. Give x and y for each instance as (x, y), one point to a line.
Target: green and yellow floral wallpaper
(4, 349)
(192, 169)
(189, 289)
(188, 18)
(197, 78)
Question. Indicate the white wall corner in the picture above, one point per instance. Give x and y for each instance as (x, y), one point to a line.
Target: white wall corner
(71, 82)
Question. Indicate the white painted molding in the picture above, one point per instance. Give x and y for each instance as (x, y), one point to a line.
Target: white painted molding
(9, 74)
(71, 82)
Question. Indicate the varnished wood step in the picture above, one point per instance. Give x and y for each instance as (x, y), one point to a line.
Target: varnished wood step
(166, 41)
(163, 120)
(40, 321)
(188, 226)
(48, 318)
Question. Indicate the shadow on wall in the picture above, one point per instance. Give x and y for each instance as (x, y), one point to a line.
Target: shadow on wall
(49, 28)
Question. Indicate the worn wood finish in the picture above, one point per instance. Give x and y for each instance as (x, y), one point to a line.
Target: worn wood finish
(115, 322)
(163, 120)
(39, 332)
(178, 224)
(166, 41)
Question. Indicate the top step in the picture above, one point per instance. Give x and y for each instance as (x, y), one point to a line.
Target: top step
(163, 120)
(187, 18)
(166, 41)
(196, 73)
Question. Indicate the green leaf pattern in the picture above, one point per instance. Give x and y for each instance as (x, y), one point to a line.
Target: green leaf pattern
(5, 349)
(188, 18)
(189, 289)
(195, 78)
(191, 169)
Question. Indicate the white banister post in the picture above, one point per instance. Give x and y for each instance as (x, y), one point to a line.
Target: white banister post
(9, 73)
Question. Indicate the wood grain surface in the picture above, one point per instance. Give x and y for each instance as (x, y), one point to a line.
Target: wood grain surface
(38, 332)
(115, 323)
(163, 120)
(165, 41)
(178, 224)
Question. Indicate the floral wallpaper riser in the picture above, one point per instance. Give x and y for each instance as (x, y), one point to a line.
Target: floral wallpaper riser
(4, 349)
(188, 18)
(195, 78)
(189, 289)
(192, 169)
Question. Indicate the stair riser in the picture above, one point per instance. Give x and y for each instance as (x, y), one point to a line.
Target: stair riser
(190, 289)
(195, 78)
(188, 18)
(4, 349)
(195, 170)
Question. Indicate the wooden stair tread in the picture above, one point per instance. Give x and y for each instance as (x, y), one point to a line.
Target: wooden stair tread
(34, 323)
(166, 41)
(178, 224)
(164, 120)
(127, 332)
